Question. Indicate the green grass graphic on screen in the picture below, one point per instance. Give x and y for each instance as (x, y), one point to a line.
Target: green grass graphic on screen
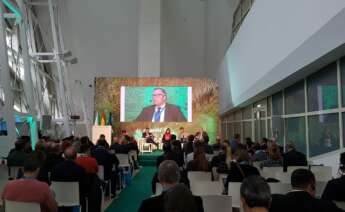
(137, 98)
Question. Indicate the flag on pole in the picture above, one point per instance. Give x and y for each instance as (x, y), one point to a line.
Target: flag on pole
(110, 119)
(96, 119)
(103, 119)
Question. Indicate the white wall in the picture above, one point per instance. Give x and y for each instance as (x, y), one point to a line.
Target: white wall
(219, 18)
(276, 39)
(183, 38)
(103, 35)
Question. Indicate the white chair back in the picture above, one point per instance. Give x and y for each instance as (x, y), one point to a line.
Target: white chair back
(234, 192)
(201, 188)
(159, 189)
(217, 203)
(133, 155)
(123, 160)
(215, 173)
(290, 169)
(14, 206)
(270, 172)
(322, 173)
(66, 193)
(280, 188)
(209, 157)
(283, 177)
(320, 187)
(340, 204)
(199, 176)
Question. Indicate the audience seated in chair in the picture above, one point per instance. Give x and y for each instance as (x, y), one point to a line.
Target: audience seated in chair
(108, 161)
(170, 199)
(28, 189)
(69, 171)
(292, 157)
(199, 163)
(335, 189)
(223, 159)
(255, 194)
(274, 158)
(302, 197)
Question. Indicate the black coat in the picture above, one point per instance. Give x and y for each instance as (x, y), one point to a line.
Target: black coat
(301, 201)
(105, 159)
(335, 190)
(294, 158)
(156, 204)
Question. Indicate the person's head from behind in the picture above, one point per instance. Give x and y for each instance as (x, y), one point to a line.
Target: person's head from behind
(102, 142)
(159, 97)
(237, 137)
(242, 156)
(31, 167)
(84, 140)
(303, 179)
(190, 138)
(102, 137)
(290, 146)
(85, 149)
(70, 153)
(179, 199)
(168, 174)
(255, 194)
(19, 146)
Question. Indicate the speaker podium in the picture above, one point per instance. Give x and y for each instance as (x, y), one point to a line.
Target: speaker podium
(99, 130)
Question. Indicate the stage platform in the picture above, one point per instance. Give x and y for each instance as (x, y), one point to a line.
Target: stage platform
(149, 158)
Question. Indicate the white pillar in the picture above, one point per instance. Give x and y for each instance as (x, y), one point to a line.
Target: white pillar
(6, 111)
(149, 37)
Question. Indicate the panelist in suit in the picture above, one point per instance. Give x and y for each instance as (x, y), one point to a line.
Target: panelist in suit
(161, 111)
(175, 196)
(149, 137)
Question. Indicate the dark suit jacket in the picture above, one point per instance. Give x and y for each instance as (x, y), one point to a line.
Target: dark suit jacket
(236, 176)
(303, 202)
(104, 158)
(294, 158)
(172, 114)
(156, 204)
(335, 190)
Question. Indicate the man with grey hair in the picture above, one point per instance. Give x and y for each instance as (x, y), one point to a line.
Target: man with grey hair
(169, 177)
(161, 111)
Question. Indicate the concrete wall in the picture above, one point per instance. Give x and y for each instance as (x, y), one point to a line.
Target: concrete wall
(183, 38)
(278, 38)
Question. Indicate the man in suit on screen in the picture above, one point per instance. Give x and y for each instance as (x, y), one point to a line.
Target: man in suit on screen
(161, 111)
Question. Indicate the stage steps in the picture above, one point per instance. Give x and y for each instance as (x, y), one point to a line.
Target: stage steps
(149, 159)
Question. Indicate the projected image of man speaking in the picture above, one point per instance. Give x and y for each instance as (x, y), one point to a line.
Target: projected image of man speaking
(161, 111)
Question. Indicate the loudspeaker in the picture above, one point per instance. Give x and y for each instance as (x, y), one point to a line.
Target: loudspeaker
(46, 122)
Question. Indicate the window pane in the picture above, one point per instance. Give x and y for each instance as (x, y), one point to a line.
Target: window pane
(224, 131)
(237, 128)
(294, 94)
(342, 69)
(278, 130)
(277, 103)
(238, 115)
(230, 130)
(269, 104)
(247, 112)
(295, 132)
(323, 133)
(269, 128)
(247, 129)
(322, 89)
(263, 128)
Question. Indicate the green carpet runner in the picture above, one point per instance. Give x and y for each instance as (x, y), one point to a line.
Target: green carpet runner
(140, 188)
